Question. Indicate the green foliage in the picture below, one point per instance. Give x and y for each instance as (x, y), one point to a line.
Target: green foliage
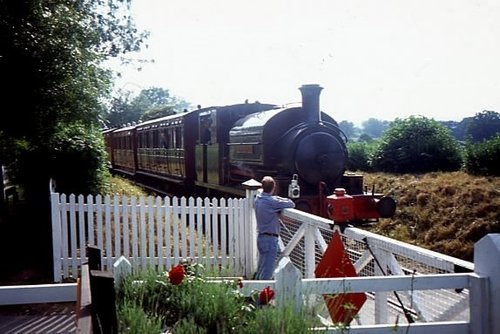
(122, 111)
(366, 138)
(135, 320)
(348, 129)
(116, 185)
(276, 320)
(458, 129)
(198, 305)
(483, 158)
(150, 103)
(375, 127)
(158, 112)
(216, 307)
(52, 53)
(417, 145)
(79, 160)
(485, 125)
(360, 153)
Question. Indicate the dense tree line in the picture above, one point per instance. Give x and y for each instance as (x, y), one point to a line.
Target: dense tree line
(484, 125)
(420, 145)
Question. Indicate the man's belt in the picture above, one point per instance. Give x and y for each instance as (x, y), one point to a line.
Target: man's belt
(270, 234)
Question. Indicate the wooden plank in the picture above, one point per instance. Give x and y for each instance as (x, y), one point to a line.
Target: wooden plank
(159, 233)
(116, 251)
(184, 228)
(102, 287)
(135, 238)
(84, 301)
(73, 235)
(452, 327)
(56, 236)
(142, 225)
(38, 293)
(107, 237)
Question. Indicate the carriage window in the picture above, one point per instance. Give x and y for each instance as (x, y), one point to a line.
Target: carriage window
(207, 133)
(155, 138)
(178, 137)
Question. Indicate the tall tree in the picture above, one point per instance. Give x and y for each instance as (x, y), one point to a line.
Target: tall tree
(150, 103)
(483, 126)
(51, 53)
(375, 127)
(348, 128)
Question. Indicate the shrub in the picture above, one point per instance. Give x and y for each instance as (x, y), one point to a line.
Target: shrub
(417, 145)
(482, 158)
(359, 155)
(79, 160)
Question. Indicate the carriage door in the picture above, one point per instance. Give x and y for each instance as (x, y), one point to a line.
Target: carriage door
(207, 162)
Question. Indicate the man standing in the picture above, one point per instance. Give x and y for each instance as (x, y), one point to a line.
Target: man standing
(267, 210)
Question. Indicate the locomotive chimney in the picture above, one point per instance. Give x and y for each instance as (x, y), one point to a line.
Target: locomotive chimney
(310, 102)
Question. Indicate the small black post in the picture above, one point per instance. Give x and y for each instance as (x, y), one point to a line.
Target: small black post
(102, 290)
(94, 255)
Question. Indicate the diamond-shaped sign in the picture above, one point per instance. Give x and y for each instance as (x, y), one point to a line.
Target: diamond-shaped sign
(343, 307)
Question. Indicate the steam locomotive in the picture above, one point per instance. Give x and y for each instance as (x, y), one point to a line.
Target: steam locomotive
(212, 151)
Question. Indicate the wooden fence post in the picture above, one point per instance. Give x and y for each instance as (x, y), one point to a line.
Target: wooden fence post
(102, 287)
(56, 237)
(251, 187)
(84, 303)
(94, 255)
(288, 284)
(485, 294)
(121, 269)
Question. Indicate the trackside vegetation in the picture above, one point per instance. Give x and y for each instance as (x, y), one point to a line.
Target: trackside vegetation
(183, 300)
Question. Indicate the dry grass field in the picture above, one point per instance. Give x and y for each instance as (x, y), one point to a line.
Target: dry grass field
(444, 212)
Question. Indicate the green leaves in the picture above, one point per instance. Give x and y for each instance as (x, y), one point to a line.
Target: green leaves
(417, 145)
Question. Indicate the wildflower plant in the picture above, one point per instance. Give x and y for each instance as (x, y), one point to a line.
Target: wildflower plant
(185, 301)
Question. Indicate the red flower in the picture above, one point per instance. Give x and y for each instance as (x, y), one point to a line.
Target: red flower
(266, 295)
(240, 283)
(176, 274)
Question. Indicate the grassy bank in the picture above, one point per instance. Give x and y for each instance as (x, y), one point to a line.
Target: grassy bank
(444, 212)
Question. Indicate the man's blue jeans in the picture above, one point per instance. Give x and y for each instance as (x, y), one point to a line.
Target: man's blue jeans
(268, 251)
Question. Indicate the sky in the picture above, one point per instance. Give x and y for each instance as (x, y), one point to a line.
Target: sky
(374, 59)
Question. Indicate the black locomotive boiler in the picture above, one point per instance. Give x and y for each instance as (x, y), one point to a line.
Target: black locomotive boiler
(212, 151)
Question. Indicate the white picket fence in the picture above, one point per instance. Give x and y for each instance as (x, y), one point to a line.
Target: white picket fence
(158, 232)
(152, 232)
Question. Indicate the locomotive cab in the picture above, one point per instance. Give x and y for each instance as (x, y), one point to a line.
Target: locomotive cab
(211, 151)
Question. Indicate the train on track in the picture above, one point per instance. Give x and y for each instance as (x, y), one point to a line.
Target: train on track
(212, 151)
